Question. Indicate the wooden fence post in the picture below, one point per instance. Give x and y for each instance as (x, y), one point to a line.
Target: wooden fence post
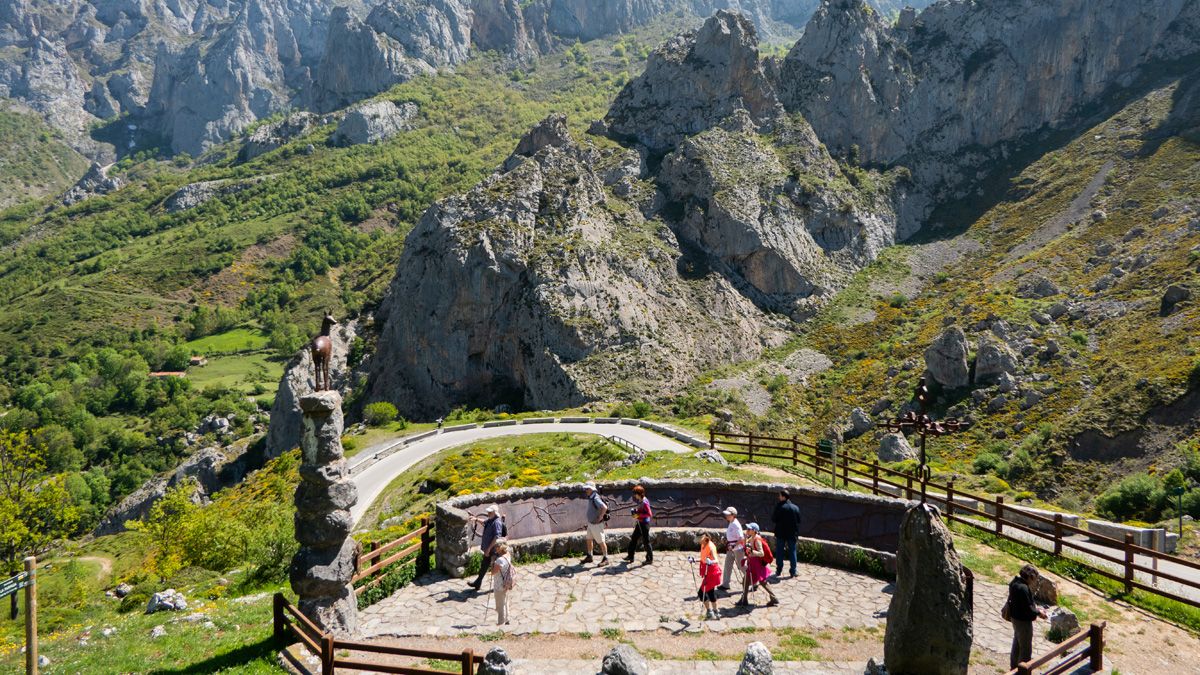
(950, 499)
(468, 662)
(1128, 562)
(1096, 646)
(31, 637)
(845, 472)
(999, 514)
(795, 449)
(277, 616)
(750, 447)
(1058, 534)
(908, 492)
(874, 478)
(712, 439)
(1024, 669)
(12, 607)
(327, 654)
(426, 541)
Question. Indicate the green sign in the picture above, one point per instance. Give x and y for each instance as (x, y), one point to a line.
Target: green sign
(1179, 490)
(14, 584)
(825, 447)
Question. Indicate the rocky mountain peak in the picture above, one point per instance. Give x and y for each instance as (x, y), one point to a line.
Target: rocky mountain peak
(693, 82)
(551, 131)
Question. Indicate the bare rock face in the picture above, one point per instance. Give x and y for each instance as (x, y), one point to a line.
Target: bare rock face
(399, 40)
(194, 194)
(272, 136)
(993, 359)
(373, 122)
(929, 624)
(94, 183)
(322, 569)
(694, 81)
(946, 359)
(284, 431)
(538, 289)
(943, 91)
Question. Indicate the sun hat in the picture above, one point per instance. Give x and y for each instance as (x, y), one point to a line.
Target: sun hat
(492, 509)
(731, 511)
(589, 486)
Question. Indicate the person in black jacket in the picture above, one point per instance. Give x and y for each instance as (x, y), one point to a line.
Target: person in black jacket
(1022, 611)
(787, 529)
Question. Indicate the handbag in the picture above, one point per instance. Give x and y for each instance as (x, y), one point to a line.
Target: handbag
(1006, 611)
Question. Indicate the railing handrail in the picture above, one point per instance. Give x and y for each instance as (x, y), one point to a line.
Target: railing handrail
(868, 474)
(1093, 635)
(325, 647)
(626, 442)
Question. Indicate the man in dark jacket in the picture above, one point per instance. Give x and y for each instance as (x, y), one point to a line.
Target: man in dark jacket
(493, 532)
(787, 529)
(1022, 611)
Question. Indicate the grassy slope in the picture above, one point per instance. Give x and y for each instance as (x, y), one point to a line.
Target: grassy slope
(33, 161)
(121, 260)
(1133, 362)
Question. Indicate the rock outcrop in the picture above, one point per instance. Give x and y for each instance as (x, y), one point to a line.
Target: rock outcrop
(94, 183)
(694, 81)
(208, 470)
(194, 194)
(274, 135)
(624, 660)
(929, 624)
(993, 359)
(373, 122)
(297, 381)
(757, 660)
(946, 359)
(539, 288)
(953, 88)
(894, 447)
(322, 569)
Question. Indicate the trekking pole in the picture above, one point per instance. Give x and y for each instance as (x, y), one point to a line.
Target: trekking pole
(487, 603)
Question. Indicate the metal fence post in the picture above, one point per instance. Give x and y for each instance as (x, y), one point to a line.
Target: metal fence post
(1128, 562)
(999, 515)
(31, 637)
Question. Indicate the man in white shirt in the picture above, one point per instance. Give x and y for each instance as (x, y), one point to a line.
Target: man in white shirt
(735, 546)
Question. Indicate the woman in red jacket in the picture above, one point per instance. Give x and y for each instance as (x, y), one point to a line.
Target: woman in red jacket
(710, 576)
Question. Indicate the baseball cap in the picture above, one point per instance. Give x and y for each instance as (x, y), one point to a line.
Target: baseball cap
(589, 486)
(753, 526)
(730, 511)
(492, 509)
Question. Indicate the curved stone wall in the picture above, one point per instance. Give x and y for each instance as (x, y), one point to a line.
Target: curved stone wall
(551, 519)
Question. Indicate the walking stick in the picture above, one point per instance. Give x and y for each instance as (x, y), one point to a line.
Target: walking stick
(487, 603)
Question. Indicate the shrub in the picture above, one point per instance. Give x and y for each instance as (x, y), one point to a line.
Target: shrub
(990, 462)
(380, 413)
(897, 300)
(1139, 495)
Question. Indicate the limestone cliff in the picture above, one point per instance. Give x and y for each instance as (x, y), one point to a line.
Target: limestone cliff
(541, 288)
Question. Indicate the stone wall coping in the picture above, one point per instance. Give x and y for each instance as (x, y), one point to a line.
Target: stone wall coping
(459, 505)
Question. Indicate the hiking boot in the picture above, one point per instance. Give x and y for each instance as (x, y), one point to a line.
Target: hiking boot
(722, 588)
(586, 560)
(709, 615)
(475, 584)
(773, 602)
(628, 558)
(603, 562)
(649, 561)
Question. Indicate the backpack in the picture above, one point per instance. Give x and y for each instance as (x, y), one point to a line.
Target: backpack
(503, 527)
(768, 556)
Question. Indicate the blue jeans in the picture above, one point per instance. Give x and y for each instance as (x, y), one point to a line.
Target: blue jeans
(785, 547)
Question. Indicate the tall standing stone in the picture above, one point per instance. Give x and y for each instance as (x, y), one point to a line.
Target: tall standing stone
(946, 359)
(929, 618)
(322, 570)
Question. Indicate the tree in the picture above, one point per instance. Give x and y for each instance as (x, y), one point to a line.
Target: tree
(35, 508)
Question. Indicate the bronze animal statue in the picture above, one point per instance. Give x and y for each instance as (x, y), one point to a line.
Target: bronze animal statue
(321, 349)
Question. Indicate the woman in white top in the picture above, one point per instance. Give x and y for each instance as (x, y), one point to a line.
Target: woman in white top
(502, 580)
(735, 546)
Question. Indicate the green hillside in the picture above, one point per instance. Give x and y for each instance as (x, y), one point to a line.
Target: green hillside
(33, 160)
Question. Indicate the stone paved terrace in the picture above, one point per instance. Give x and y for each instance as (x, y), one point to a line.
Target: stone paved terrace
(562, 597)
(582, 667)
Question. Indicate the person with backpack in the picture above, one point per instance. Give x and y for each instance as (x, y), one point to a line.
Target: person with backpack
(1022, 611)
(597, 515)
(787, 530)
(493, 531)
(642, 514)
(502, 581)
(758, 570)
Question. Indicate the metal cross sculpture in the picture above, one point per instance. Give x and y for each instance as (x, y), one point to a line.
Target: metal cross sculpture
(919, 422)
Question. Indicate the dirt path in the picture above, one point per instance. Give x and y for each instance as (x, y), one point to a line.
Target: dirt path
(106, 564)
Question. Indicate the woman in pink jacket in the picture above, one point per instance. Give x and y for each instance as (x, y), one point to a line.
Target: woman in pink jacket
(710, 576)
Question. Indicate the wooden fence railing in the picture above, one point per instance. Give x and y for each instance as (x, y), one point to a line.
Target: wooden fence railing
(877, 479)
(1067, 656)
(334, 653)
(372, 563)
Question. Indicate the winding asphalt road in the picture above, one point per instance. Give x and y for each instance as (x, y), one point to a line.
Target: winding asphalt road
(371, 476)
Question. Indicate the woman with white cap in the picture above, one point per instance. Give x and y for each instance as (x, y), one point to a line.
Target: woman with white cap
(757, 568)
(735, 546)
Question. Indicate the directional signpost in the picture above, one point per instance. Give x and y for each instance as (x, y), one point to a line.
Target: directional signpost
(11, 586)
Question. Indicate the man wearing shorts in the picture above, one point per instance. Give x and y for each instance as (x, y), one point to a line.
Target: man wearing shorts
(597, 513)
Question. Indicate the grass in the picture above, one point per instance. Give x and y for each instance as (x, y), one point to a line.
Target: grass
(256, 373)
(34, 161)
(230, 342)
(795, 645)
